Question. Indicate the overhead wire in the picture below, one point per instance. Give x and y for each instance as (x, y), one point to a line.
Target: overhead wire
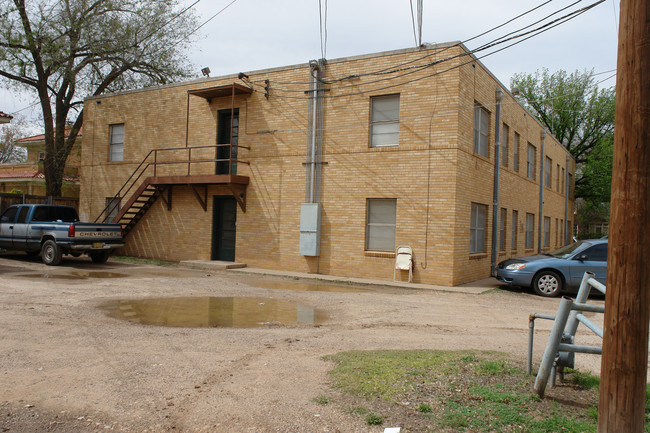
(413, 69)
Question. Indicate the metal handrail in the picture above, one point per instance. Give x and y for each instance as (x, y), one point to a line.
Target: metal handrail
(133, 179)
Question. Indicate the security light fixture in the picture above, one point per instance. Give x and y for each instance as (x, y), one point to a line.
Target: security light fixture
(205, 71)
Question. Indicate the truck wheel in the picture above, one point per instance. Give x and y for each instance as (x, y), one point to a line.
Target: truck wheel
(99, 256)
(51, 253)
(548, 284)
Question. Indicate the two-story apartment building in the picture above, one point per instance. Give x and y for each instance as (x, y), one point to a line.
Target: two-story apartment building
(326, 167)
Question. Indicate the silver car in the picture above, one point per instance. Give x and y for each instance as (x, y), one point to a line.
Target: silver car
(562, 270)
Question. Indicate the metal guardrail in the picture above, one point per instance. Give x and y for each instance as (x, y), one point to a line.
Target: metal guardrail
(560, 349)
(152, 161)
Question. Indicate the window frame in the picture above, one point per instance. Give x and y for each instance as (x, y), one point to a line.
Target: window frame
(547, 232)
(476, 229)
(514, 222)
(503, 225)
(504, 145)
(113, 154)
(530, 165)
(371, 226)
(515, 151)
(529, 243)
(481, 141)
(391, 122)
(548, 171)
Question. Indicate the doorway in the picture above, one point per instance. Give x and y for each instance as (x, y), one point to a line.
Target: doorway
(224, 226)
(227, 153)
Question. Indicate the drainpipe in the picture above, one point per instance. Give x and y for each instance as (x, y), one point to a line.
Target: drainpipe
(312, 171)
(566, 201)
(540, 224)
(495, 195)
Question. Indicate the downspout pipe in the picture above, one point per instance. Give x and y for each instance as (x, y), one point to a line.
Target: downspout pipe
(315, 70)
(566, 201)
(542, 161)
(495, 195)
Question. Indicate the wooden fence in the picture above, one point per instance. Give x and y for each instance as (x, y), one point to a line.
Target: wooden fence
(7, 199)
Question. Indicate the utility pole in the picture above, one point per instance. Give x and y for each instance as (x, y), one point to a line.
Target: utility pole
(627, 307)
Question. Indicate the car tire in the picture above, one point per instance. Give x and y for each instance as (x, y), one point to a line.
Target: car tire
(548, 284)
(99, 256)
(51, 253)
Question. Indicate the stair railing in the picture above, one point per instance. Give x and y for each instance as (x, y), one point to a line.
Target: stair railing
(145, 164)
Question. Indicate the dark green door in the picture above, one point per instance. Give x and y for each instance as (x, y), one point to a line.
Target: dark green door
(226, 119)
(224, 228)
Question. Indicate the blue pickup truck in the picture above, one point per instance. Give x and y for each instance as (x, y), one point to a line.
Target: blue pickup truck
(55, 230)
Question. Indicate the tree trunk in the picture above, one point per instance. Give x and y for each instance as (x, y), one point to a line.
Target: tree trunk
(627, 309)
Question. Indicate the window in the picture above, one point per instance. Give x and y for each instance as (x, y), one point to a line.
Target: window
(562, 240)
(41, 156)
(563, 190)
(481, 126)
(515, 217)
(10, 215)
(504, 145)
(116, 152)
(557, 231)
(112, 208)
(547, 232)
(380, 224)
(22, 215)
(515, 156)
(384, 121)
(548, 165)
(502, 229)
(557, 178)
(530, 231)
(597, 253)
(478, 222)
(530, 162)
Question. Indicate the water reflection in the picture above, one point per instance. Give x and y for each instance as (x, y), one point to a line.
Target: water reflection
(233, 312)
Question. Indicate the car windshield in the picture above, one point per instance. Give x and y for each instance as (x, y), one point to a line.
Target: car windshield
(570, 249)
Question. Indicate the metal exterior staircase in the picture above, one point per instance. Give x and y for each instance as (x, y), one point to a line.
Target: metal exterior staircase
(147, 186)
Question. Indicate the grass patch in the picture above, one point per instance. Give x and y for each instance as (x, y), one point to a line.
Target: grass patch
(323, 400)
(442, 391)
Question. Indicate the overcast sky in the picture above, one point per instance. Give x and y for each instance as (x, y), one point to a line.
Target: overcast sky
(259, 34)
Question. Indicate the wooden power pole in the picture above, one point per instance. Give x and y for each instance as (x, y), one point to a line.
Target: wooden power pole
(627, 306)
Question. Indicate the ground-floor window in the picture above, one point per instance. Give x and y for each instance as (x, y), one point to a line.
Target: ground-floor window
(515, 222)
(502, 229)
(381, 217)
(478, 223)
(530, 231)
(547, 232)
(112, 208)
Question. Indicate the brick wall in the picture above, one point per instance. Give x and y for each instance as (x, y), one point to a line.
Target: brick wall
(433, 173)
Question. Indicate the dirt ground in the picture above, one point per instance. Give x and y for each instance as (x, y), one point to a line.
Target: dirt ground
(66, 366)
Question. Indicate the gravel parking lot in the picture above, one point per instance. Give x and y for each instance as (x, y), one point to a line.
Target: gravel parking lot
(67, 366)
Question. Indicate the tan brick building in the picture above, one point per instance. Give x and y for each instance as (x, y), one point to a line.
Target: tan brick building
(387, 149)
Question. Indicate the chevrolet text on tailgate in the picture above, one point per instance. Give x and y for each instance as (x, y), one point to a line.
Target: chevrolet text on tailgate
(55, 230)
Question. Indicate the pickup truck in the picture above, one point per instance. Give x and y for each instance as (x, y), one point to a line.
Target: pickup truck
(55, 230)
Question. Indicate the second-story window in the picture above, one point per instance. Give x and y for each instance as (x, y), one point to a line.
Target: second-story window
(116, 148)
(530, 162)
(481, 130)
(504, 145)
(384, 120)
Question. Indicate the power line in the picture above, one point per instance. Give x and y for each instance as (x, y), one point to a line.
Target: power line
(202, 24)
(413, 69)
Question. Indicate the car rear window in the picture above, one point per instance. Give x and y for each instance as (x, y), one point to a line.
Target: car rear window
(55, 213)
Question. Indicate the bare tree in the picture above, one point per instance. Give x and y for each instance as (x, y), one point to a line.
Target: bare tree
(66, 50)
(9, 133)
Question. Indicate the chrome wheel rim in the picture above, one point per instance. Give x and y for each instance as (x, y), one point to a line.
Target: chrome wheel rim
(548, 284)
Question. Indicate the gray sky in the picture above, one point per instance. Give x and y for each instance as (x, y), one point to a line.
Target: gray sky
(258, 34)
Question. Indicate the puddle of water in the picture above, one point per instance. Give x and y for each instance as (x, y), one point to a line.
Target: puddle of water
(75, 275)
(198, 312)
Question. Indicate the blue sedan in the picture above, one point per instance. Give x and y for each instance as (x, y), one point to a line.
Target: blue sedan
(561, 270)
